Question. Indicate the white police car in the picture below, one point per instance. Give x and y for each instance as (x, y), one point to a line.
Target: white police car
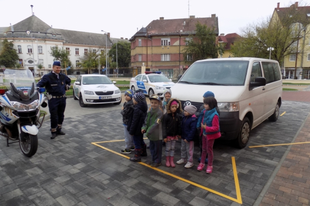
(95, 89)
(151, 83)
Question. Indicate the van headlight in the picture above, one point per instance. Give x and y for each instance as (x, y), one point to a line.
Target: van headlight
(88, 92)
(25, 107)
(117, 91)
(228, 106)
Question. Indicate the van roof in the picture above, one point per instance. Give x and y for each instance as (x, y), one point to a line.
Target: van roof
(237, 59)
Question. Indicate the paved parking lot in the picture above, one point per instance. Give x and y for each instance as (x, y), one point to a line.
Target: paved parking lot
(70, 170)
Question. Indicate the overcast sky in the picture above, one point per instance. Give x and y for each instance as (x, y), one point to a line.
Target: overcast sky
(122, 18)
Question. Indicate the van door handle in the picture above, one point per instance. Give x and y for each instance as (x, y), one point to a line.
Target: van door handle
(263, 88)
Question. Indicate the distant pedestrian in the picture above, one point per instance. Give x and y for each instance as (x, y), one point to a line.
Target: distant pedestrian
(153, 130)
(172, 129)
(209, 123)
(127, 112)
(189, 123)
(56, 84)
(167, 97)
(135, 124)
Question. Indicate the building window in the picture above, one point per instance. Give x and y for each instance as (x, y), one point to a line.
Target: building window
(20, 61)
(40, 49)
(29, 49)
(85, 51)
(165, 41)
(187, 40)
(77, 51)
(308, 57)
(94, 51)
(165, 57)
(49, 66)
(189, 57)
(19, 49)
(77, 63)
(68, 50)
(139, 42)
(41, 62)
(140, 58)
(293, 57)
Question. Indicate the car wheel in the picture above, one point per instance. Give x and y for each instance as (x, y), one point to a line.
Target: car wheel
(133, 89)
(151, 92)
(81, 101)
(244, 134)
(274, 117)
(74, 97)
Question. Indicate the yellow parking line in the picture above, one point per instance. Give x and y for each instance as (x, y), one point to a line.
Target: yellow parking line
(274, 145)
(238, 193)
(282, 114)
(109, 141)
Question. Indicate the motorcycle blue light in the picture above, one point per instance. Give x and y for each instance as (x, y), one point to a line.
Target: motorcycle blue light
(41, 90)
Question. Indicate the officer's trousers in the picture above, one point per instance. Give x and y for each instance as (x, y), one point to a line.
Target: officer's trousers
(57, 108)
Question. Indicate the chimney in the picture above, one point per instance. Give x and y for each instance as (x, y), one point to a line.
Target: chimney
(213, 15)
(122, 38)
(296, 5)
(161, 18)
(12, 28)
(222, 34)
(109, 35)
(278, 6)
(192, 17)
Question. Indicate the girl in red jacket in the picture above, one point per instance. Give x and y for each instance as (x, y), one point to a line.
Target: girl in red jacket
(210, 127)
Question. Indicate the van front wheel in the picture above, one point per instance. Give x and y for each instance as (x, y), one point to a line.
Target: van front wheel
(244, 134)
(274, 117)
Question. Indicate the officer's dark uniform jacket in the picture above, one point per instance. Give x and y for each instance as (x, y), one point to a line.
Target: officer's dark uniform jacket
(54, 86)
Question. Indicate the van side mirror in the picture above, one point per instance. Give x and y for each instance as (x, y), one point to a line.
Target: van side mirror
(77, 83)
(259, 81)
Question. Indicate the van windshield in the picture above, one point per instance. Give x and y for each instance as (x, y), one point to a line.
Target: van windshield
(230, 73)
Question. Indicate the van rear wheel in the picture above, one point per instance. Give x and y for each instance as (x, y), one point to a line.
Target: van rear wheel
(244, 134)
(274, 117)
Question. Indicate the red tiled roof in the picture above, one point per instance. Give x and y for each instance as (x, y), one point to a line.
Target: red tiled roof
(229, 39)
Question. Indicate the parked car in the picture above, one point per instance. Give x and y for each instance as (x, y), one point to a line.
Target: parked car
(151, 83)
(95, 89)
(248, 91)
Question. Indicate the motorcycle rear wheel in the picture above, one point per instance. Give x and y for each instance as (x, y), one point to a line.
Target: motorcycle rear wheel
(28, 144)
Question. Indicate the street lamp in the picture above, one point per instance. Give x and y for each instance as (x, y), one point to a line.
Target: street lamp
(270, 49)
(106, 52)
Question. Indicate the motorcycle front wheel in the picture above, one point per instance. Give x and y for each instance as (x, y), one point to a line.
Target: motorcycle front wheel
(28, 144)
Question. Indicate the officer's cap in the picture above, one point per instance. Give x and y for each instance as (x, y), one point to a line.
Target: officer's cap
(56, 63)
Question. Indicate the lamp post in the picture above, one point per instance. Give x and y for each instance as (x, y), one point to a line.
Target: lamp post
(106, 52)
(270, 49)
(116, 61)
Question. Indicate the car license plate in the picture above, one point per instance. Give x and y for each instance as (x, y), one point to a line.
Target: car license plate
(105, 97)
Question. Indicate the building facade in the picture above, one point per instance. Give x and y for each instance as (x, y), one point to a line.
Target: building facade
(159, 46)
(33, 40)
(297, 63)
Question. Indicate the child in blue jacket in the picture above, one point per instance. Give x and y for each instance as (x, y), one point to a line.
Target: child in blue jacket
(189, 123)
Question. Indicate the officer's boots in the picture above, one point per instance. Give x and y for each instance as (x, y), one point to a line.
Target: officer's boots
(54, 134)
(59, 132)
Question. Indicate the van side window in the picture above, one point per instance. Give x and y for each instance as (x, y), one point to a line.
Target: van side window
(271, 71)
(256, 71)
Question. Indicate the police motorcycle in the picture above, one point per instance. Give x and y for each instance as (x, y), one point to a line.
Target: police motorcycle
(20, 103)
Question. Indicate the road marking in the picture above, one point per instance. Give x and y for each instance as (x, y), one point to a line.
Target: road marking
(282, 114)
(237, 186)
(275, 145)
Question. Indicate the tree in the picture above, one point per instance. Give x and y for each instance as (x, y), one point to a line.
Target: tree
(62, 55)
(202, 45)
(123, 54)
(282, 34)
(8, 55)
(90, 61)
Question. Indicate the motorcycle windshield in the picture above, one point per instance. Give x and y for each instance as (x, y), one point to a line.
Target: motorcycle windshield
(22, 79)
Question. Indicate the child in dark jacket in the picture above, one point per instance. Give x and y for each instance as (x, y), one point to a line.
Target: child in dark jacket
(127, 113)
(189, 123)
(153, 129)
(135, 124)
(172, 129)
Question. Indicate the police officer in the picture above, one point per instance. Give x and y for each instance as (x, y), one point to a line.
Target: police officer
(56, 85)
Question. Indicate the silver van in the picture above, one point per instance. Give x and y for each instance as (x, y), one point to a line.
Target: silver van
(248, 91)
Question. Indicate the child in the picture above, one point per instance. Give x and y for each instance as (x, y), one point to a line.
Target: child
(134, 126)
(167, 97)
(127, 113)
(153, 129)
(210, 128)
(172, 129)
(189, 123)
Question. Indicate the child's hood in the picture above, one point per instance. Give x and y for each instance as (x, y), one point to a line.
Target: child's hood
(179, 109)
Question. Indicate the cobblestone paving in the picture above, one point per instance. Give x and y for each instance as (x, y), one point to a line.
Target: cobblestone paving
(71, 171)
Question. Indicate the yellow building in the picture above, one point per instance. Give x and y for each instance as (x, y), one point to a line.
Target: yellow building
(159, 46)
(297, 63)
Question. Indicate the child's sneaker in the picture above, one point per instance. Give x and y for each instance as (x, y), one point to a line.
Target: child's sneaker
(125, 151)
(181, 161)
(189, 165)
(209, 169)
(200, 167)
